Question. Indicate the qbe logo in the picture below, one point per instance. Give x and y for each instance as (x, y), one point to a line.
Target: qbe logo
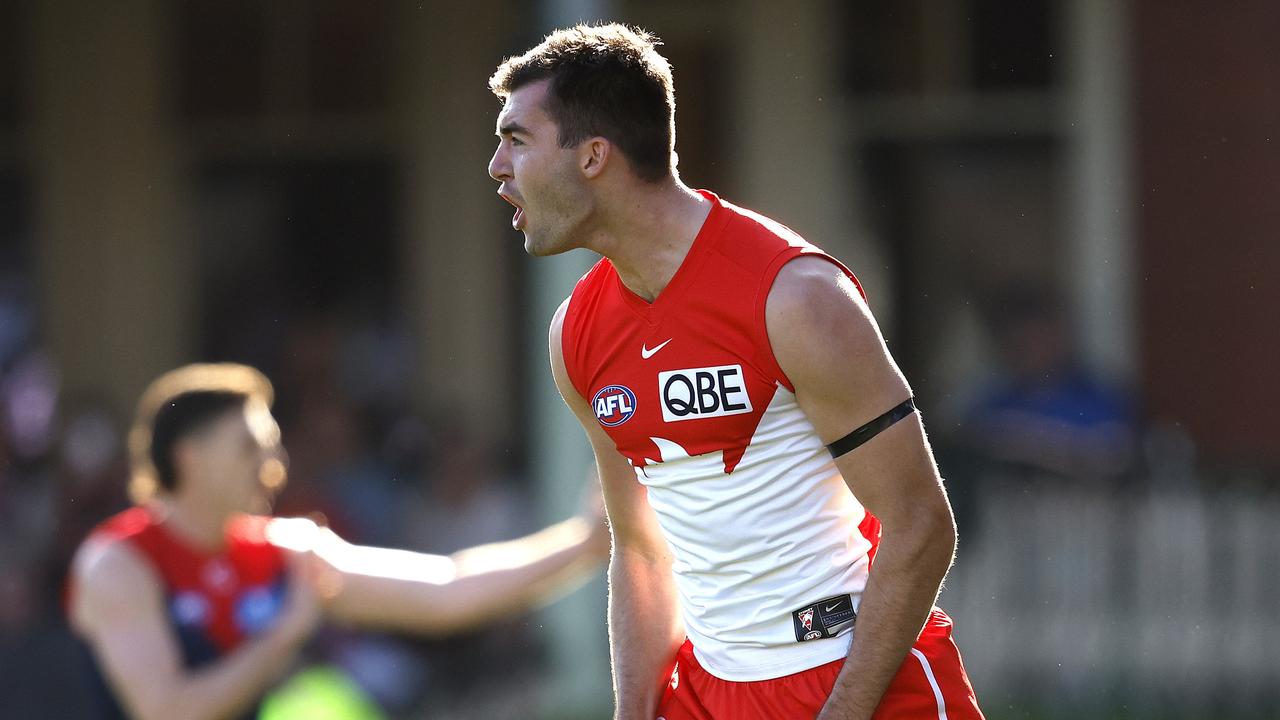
(706, 392)
(614, 405)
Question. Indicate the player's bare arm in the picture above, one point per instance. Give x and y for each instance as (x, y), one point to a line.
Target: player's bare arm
(436, 594)
(119, 608)
(829, 346)
(644, 621)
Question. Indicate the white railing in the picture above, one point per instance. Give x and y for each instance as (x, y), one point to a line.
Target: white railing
(1137, 604)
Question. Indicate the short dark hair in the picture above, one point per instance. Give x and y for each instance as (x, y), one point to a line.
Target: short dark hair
(178, 404)
(184, 416)
(606, 80)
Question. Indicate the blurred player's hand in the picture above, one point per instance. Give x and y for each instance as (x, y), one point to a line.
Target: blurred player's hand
(313, 549)
(303, 606)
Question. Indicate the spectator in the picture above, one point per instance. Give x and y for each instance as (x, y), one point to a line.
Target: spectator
(1045, 412)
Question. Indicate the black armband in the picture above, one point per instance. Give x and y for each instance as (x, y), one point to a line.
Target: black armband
(871, 429)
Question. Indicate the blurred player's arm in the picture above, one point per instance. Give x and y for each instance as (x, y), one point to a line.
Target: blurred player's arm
(436, 594)
(829, 346)
(644, 624)
(119, 608)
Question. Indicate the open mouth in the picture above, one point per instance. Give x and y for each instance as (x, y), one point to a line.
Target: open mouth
(517, 220)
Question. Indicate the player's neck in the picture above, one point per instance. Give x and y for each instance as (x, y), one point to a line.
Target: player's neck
(192, 521)
(650, 233)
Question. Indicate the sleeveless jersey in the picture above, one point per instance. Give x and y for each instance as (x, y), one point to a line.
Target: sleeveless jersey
(215, 600)
(759, 520)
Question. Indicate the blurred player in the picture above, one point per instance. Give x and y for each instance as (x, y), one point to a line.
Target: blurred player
(713, 357)
(193, 607)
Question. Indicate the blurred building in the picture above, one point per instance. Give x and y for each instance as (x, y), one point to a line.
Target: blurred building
(301, 185)
(186, 179)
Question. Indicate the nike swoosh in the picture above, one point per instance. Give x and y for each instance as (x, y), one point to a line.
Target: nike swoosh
(832, 607)
(646, 353)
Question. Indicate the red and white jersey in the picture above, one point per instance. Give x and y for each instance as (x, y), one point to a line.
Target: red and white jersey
(759, 520)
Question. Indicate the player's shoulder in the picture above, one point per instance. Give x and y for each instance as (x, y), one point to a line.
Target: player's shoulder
(555, 335)
(751, 228)
(814, 303)
(812, 284)
(557, 318)
(107, 570)
(108, 562)
(586, 293)
(593, 279)
(109, 552)
(130, 523)
(555, 347)
(764, 248)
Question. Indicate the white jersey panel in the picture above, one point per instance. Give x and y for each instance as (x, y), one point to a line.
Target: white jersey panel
(751, 546)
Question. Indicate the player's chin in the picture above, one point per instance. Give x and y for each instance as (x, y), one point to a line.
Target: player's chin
(539, 246)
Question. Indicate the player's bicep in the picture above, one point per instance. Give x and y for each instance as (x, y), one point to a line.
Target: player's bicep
(631, 520)
(120, 610)
(828, 344)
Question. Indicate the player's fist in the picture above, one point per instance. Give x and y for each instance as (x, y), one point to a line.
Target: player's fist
(303, 606)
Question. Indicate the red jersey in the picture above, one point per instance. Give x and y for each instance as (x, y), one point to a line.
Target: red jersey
(215, 600)
(771, 548)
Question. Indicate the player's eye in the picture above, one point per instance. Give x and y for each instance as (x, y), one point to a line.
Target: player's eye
(516, 141)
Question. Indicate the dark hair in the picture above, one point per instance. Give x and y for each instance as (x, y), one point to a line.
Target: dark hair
(182, 417)
(606, 80)
(178, 404)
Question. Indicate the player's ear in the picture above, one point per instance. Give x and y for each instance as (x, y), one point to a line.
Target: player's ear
(593, 155)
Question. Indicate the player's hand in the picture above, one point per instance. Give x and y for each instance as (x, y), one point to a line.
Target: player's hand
(303, 607)
(313, 550)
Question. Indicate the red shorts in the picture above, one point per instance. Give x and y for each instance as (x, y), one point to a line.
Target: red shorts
(931, 684)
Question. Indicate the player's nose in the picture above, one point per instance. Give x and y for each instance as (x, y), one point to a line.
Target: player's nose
(499, 167)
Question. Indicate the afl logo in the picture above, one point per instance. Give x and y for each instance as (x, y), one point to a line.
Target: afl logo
(614, 405)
